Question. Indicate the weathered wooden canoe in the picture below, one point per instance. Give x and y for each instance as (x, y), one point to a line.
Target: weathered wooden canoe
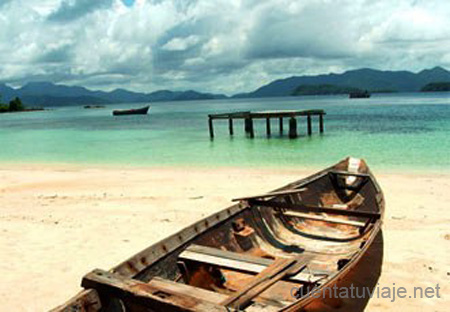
(133, 111)
(268, 252)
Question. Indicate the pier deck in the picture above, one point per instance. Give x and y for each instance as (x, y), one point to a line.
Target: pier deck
(248, 117)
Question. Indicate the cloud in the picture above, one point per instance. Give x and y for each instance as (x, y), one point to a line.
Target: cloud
(56, 54)
(70, 10)
(181, 44)
(4, 2)
(214, 45)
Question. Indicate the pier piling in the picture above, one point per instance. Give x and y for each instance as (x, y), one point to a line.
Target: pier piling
(308, 118)
(230, 125)
(247, 125)
(211, 127)
(251, 130)
(321, 123)
(292, 128)
(267, 115)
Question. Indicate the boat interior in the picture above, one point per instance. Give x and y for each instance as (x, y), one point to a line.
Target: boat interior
(266, 253)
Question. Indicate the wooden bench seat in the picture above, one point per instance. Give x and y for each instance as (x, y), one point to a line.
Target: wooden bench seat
(279, 269)
(159, 294)
(239, 262)
(295, 214)
(351, 174)
(316, 209)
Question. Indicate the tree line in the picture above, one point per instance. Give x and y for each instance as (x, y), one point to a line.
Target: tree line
(15, 105)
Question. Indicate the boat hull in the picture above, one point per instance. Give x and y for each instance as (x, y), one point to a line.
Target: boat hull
(252, 235)
(136, 111)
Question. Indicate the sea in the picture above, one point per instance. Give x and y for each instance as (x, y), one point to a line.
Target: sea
(398, 132)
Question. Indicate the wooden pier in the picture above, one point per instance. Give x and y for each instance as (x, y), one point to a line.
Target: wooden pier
(248, 118)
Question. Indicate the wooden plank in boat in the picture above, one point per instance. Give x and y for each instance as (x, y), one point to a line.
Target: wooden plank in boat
(296, 214)
(183, 289)
(239, 262)
(307, 208)
(256, 307)
(271, 194)
(265, 279)
(347, 173)
(167, 298)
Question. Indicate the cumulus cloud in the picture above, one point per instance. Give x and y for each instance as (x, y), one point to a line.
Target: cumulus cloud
(214, 45)
(73, 9)
(181, 44)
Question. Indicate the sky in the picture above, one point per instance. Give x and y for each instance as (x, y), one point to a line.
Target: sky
(220, 46)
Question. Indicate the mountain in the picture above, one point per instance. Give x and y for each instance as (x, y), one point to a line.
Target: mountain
(49, 100)
(366, 79)
(6, 93)
(50, 89)
(166, 95)
(122, 95)
(324, 89)
(49, 94)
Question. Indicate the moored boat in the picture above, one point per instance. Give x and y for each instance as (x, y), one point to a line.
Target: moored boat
(133, 111)
(267, 252)
(359, 95)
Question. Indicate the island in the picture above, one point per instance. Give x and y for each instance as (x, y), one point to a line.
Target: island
(324, 89)
(436, 87)
(16, 105)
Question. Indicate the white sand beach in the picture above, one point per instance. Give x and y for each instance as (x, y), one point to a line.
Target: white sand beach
(59, 222)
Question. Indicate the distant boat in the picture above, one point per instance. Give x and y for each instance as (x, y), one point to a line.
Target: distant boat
(93, 106)
(359, 94)
(133, 111)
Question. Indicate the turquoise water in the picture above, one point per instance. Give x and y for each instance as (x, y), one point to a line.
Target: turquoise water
(392, 132)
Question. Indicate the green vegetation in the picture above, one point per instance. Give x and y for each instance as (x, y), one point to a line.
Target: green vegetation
(15, 105)
(436, 87)
(324, 89)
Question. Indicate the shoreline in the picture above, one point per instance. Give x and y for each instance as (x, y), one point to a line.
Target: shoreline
(299, 168)
(59, 223)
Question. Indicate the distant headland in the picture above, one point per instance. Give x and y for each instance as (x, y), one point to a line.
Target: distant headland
(16, 105)
(437, 87)
(364, 79)
(50, 94)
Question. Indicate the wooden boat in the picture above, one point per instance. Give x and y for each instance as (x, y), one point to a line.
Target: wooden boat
(133, 111)
(267, 252)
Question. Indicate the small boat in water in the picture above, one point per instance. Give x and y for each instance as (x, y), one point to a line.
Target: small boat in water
(133, 111)
(266, 253)
(359, 95)
(93, 106)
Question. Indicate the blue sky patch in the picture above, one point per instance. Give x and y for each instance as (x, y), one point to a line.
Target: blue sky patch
(128, 3)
